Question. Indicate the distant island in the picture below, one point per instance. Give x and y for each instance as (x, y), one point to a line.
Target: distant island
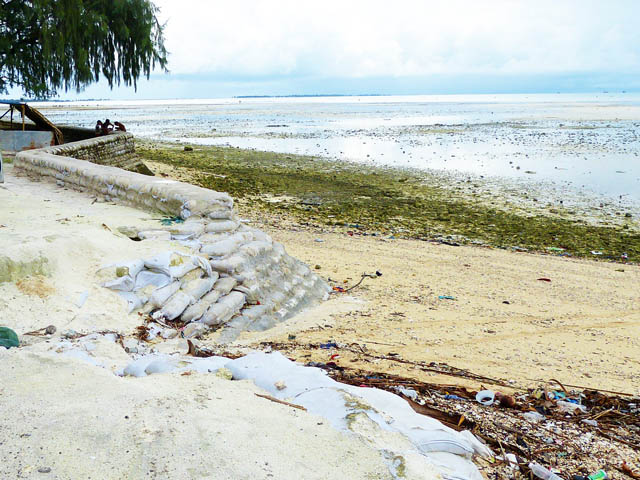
(314, 95)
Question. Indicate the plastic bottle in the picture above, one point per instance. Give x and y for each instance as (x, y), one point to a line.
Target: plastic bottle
(599, 475)
(543, 473)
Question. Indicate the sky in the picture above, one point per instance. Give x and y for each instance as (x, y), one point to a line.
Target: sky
(222, 48)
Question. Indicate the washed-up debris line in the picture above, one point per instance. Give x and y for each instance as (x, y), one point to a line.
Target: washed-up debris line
(601, 432)
(570, 430)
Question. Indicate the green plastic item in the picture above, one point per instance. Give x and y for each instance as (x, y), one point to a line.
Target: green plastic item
(8, 338)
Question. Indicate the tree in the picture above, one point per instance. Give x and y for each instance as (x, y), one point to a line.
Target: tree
(46, 45)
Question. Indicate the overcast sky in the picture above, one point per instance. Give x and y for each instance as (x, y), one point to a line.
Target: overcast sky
(266, 47)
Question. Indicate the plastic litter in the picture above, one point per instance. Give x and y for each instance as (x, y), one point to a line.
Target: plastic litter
(328, 345)
(453, 397)
(8, 338)
(485, 397)
(446, 297)
(570, 407)
(534, 417)
(599, 475)
(542, 472)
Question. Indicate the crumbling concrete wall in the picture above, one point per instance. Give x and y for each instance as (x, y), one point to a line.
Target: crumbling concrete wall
(231, 277)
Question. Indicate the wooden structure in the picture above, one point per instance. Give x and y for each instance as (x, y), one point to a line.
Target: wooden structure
(35, 116)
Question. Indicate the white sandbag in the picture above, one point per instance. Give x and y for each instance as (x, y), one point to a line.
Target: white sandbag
(147, 277)
(195, 311)
(161, 295)
(225, 285)
(213, 237)
(133, 301)
(181, 265)
(220, 214)
(188, 229)
(203, 263)
(194, 274)
(194, 244)
(229, 265)
(213, 296)
(159, 263)
(255, 248)
(177, 304)
(170, 263)
(224, 309)
(197, 288)
(194, 329)
(121, 269)
(220, 249)
(217, 226)
(124, 284)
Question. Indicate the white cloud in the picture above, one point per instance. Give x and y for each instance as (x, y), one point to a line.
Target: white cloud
(369, 38)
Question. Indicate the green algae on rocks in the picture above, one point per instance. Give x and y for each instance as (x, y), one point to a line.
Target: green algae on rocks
(386, 201)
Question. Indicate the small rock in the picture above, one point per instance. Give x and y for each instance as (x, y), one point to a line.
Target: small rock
(187, 148)
(280, 385)
(628, 215)
(70, 333)
(44, 470)
(224, 373)
(130, 345)
(50, 330)
(318, 267)
(194, 329)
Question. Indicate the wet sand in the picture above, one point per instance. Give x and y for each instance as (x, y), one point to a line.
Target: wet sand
(582, 328)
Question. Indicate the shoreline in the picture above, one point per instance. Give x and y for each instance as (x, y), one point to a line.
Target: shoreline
(501, 323)
(430, 205)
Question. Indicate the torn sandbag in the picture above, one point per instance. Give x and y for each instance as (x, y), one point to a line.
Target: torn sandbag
(133, 301)
(147, 277)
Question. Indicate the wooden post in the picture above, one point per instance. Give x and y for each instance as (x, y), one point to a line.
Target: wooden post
(22, 107)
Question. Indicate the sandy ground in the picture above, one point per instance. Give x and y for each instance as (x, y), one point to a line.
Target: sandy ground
(62, 413)
(582, 328)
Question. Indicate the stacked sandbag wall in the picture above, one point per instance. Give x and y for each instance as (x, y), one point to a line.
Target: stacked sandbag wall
(234, 277)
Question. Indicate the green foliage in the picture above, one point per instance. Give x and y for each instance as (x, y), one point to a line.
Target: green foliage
(46, 45)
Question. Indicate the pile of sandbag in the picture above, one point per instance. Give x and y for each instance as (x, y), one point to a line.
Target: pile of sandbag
(231, 275)
(239, 279)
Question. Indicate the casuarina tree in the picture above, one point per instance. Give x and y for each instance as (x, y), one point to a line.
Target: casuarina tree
(48, 45)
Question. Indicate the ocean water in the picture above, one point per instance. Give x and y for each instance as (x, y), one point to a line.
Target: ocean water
(587, 144)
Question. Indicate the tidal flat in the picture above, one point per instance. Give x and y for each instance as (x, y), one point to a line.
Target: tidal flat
(384, 201)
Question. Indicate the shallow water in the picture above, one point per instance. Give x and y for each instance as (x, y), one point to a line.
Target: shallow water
(588, 144)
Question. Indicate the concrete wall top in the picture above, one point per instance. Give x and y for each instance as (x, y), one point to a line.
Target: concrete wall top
(168, 196)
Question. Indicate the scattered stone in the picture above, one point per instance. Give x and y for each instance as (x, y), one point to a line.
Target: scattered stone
(44, 470)
(224, 373)
(71, 333)
(187, 148)
(130, 345)
(50, 330)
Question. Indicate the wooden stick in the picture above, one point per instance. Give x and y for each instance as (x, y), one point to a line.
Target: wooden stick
(282, 402)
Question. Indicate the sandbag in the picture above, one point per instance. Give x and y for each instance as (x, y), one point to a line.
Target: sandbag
(177, 304)
(160, 296)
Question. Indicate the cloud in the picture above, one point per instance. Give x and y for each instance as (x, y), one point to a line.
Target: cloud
(373, 38)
